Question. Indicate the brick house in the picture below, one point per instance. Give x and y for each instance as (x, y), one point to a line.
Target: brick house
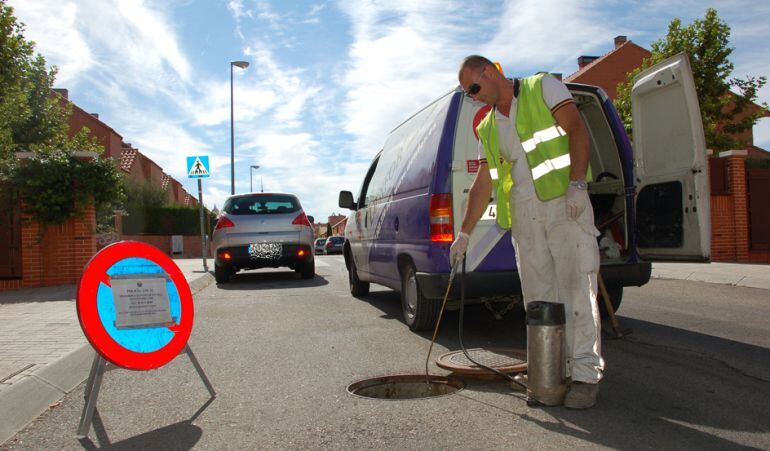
(740, 223)
(33, 255)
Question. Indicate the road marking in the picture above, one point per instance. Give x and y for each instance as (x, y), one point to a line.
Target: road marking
(320, 263)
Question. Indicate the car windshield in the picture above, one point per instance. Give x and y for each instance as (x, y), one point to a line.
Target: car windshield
(337, 240)
(320, 241)
(261, 205)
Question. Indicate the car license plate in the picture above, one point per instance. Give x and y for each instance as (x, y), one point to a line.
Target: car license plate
(267, 251)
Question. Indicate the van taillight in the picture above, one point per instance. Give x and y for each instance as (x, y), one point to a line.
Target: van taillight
(224, 222)
(302, 220)
(441, 228)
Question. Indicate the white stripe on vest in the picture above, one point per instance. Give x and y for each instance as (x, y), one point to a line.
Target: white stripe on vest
(550, 165)
(540, 136)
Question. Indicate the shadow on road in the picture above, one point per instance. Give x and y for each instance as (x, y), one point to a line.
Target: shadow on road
(182, 435)
(253, 280)
(658, 390)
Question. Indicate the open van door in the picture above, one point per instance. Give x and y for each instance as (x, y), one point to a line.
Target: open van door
(673, 219)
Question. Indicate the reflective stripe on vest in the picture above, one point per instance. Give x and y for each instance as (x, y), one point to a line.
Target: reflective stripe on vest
(545, 143)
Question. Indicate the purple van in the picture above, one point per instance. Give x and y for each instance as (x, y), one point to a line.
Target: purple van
(650, 201)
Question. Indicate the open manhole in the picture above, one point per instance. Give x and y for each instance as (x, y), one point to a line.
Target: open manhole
(406, 386)
(505, 360)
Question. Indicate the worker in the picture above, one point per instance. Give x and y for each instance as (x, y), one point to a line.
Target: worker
(534, 152)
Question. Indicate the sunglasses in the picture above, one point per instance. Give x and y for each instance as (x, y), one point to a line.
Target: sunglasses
(475, 87)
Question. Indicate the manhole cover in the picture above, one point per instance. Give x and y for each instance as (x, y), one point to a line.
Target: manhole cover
(505, 360)
(406, 386)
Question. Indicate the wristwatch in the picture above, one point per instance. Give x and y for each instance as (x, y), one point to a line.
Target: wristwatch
(579, 184)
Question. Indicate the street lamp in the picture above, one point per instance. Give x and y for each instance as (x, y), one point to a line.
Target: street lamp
(251, 175)
(242, 65)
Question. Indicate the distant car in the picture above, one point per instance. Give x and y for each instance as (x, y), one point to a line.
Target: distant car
(263, 230)
(334, 245)
(319, 245)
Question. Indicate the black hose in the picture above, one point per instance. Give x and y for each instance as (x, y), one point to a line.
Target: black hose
(460, 336)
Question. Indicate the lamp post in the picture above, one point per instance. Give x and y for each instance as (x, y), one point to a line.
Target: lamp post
(242, 65)
(251, 175)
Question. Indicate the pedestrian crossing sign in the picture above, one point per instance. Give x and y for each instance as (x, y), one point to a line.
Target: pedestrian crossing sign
(198, 167)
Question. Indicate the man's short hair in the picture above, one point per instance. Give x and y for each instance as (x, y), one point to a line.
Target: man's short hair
(473, 62)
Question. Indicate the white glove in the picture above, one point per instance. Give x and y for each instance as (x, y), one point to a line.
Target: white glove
(458, 248)
(576, 201)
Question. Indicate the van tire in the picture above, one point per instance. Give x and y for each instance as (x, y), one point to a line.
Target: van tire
(420, 313)
(616, 296)
(357, 288)
(307, 269)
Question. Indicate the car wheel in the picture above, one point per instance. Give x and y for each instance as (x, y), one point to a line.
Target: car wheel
(221, 274)
(357, 288)
(308, 269)
(420, 313)
(616, 295)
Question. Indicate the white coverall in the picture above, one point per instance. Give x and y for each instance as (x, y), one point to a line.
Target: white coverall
(557, 257)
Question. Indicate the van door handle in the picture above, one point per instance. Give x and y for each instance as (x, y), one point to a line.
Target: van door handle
(395, 224)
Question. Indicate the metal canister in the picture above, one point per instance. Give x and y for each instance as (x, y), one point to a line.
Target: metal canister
(545, 353)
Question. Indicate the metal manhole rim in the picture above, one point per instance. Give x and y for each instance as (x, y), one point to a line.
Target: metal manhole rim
(450, 380)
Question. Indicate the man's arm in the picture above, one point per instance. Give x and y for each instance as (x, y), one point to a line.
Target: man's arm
(478, 198)
(569, 119)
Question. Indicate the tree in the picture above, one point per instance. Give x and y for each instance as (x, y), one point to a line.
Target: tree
(724, 112)
(328, 229)
(32, 118)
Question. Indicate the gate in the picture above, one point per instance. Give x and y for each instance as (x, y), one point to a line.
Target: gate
(758, 191)
(10, 235)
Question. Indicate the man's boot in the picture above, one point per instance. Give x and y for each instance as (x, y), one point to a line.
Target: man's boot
(581, 395)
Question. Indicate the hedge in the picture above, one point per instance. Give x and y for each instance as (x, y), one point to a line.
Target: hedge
(163, 221)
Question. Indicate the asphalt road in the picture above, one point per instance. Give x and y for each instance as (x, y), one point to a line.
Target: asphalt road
(280, 351)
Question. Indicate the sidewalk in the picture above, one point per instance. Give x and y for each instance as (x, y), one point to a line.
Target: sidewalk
(738, 274)
(43, 352)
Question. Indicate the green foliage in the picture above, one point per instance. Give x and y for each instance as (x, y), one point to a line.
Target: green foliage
(758, 163)
(706, 43)
(328, 229)
(33, 119)
(163, 221)
(144, 194)
(54, 186)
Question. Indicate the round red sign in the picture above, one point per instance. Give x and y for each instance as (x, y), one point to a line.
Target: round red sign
(146, 346)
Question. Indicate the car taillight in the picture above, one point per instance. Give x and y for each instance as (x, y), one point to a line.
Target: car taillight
(301, 220)
(441, 227)
(224, 222)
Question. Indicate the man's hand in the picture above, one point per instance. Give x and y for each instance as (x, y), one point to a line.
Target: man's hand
(577, 199)
(458, 248)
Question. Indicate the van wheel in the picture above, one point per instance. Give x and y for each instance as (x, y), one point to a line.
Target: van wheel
(221, 274)
(616, 295)
(307, 269)
(419, 313)
(357, 288)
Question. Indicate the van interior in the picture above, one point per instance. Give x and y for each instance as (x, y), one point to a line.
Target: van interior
(606, 186)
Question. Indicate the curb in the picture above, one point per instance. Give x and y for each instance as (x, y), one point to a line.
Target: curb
(27, 399)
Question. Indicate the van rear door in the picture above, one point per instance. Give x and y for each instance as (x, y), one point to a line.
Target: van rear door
(672, 203)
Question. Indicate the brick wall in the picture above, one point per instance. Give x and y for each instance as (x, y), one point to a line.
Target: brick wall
(54, 255)
(191, 244)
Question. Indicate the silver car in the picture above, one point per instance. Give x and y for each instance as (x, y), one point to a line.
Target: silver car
(263, 230)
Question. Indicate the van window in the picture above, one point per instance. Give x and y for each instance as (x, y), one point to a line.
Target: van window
(261, 205)
(364, 197)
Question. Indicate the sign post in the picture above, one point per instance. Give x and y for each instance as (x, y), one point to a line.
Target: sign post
(136, 309)
(198, 168)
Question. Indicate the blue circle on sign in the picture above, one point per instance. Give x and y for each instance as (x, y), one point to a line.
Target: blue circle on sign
(149, 339)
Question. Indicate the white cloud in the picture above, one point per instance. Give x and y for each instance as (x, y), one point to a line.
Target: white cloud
(53, 27)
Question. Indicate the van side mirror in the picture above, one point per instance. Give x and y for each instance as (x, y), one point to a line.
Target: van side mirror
(346, 200)
(311, 219)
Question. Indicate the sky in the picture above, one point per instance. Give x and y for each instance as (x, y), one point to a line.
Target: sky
(328, 80)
